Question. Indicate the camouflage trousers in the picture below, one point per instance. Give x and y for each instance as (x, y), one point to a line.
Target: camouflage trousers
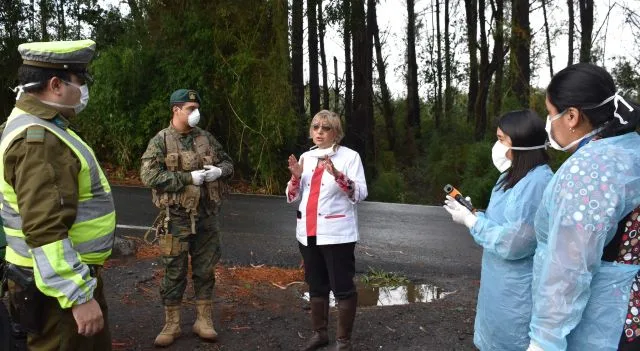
(204, 249)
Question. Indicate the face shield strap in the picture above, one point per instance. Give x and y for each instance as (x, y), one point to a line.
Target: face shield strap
(616, 99)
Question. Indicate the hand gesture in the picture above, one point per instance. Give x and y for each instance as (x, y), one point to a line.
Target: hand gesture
(329, 167)
(295, 167)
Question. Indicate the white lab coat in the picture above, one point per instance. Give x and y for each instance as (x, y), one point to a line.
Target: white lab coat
(337, 221)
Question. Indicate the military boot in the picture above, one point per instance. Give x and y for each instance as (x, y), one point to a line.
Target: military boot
(204, 325)
(171, 330)
(319, 321)
(346, 316)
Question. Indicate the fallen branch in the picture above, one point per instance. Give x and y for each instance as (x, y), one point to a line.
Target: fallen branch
(285, 286)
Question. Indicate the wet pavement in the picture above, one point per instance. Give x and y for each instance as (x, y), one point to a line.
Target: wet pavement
(419, 241)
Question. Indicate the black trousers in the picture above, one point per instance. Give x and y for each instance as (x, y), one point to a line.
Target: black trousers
(329, 268)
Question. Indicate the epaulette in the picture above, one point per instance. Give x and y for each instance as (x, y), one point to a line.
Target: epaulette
(35, 134)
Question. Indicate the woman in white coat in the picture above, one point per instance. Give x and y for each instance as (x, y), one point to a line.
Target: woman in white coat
(329, 181)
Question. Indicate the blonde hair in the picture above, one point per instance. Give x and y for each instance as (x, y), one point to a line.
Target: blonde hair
(332, 119)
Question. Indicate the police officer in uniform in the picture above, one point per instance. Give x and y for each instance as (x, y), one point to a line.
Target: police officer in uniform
(57, 208)
(186, 167)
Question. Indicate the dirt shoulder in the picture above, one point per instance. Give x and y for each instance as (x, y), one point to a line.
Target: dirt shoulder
(260, 308)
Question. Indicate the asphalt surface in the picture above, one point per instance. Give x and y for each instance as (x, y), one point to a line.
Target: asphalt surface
(422, 242)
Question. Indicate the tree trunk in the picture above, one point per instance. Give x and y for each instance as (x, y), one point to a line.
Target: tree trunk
(498, 38)
(586, 24)
(44, 19)
(572, 26)
(448, 62)
(314, 86)
(438, 107)
(471, 10)
(520, 57)
(546, 31)
(62, 26)
(297, 81)
(360, 131)
(336, 91)
(484, 77)
(323, 58)
(387, 107)
(413, 100)
(348, 84)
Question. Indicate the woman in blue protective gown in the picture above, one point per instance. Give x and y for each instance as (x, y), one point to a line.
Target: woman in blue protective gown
(585, 271)
(505, 231)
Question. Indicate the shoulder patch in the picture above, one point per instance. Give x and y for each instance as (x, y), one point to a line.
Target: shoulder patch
(35, 134)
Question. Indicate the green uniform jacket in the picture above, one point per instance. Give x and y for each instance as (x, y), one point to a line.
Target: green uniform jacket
(44, 173)
(154, 173)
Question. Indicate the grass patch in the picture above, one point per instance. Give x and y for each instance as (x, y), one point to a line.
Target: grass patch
(378, 277)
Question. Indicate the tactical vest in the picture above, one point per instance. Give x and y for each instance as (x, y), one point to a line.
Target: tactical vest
(92, 233)
(180, 159)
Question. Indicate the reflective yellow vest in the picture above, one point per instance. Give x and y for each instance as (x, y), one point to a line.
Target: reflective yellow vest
(90, 237)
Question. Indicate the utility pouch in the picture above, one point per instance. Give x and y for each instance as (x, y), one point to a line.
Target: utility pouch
(207, 160)
(172, 161)
(214, 191)
(166, 244)
(189, 160)
(27, 300)
(190, 197)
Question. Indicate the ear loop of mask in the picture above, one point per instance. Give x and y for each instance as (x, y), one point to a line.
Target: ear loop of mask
(525, 148)
(20, 88)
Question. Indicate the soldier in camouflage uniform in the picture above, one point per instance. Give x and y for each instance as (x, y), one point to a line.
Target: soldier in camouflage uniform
(186, 167)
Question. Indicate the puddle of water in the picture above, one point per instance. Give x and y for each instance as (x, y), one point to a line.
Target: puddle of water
(396, 295)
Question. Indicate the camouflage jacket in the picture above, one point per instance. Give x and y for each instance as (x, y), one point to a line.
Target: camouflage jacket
(155, 174)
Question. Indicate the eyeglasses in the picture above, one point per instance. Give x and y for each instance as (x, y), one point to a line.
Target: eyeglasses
(324, 128)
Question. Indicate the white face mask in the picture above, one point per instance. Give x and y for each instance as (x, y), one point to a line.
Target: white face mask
(499, 154)
(321, 153)
(80, 106)
(554, 144)
(194, 118)
(547, 127)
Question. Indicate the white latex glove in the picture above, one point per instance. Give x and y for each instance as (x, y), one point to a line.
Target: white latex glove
(197, 177)
(459, 213)
(534, 347)
(212, 173)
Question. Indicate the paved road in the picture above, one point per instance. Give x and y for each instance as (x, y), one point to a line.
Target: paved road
(420, 241)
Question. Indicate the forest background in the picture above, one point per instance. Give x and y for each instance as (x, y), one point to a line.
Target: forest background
(262, 69)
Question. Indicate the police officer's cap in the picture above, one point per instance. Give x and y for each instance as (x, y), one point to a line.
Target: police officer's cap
(184, 95)
(73, 56)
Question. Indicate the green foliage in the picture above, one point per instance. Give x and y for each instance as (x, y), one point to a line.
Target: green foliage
(388, 187)
(236, 57)
(378, 277)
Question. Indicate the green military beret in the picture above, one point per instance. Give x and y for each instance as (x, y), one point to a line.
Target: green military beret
(184, 95)
(67, 55)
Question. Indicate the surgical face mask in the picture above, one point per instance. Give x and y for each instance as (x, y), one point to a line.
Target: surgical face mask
(554, 144)
(81, 105)
(315, 151)
(547, 127)
(194, 118)
(499, 154)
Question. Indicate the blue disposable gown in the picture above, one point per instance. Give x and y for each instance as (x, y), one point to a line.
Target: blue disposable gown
(579, 301)
(506, 233)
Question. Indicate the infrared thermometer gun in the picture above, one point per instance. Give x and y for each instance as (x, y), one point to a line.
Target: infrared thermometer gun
(454, 193)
